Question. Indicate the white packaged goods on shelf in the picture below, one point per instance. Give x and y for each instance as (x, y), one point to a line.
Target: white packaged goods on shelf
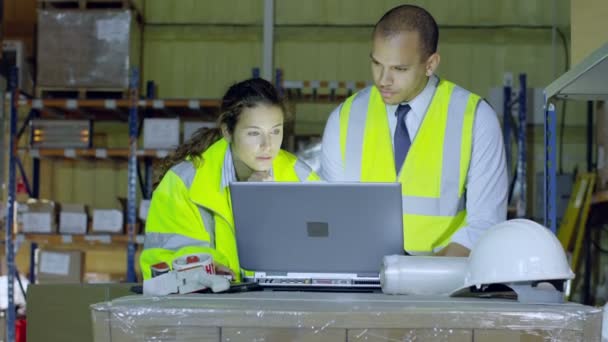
(190, 127)
(73, 219)
(144, 206)
(161, 133)
(107, 221)
(316, 316)
(39, 217)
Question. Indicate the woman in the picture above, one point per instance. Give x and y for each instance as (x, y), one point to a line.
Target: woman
(190, 210)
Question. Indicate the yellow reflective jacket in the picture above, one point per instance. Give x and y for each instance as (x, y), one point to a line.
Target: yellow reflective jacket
(190, 211)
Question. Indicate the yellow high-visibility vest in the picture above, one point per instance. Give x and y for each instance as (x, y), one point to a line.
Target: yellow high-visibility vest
(433, 175)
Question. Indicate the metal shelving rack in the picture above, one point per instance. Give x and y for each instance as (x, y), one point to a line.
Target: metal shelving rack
(518, 185)
(102, 109)
(10, 206)
(585, 81)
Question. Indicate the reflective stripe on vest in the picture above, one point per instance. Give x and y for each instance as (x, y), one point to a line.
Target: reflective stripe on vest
(449, 202)
(186, 172)
(171, 241)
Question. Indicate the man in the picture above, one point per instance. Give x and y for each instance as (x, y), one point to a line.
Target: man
(443, 143)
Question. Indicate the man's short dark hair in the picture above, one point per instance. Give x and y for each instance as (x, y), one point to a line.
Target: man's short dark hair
(410, 18)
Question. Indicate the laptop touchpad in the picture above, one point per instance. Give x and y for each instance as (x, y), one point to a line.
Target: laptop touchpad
(317, 229)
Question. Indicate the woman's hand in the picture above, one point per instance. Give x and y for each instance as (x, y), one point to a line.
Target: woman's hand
(260, 176)
(223, 270)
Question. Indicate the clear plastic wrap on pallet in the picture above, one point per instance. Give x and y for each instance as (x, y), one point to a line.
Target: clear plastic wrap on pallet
(88, 49)
(323, 316)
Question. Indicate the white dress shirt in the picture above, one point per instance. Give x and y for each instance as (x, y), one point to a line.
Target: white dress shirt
(487, 183)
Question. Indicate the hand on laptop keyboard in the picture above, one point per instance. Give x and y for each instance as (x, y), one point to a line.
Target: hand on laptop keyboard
(223, 270)
(260, 176)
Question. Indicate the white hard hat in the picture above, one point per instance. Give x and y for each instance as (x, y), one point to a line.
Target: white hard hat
(514, 251)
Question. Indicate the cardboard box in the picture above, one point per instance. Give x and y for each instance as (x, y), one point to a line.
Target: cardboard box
(61, 312)
(39, 216)
(84, 49)
(190, 127)
(317, 316)
(73, 219)
(161, 133)
(107, 221)
(60, 266)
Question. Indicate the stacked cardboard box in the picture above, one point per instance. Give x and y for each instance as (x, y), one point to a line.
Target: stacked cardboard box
(60, 312)
(60, 266)
(39, 216)
(84, 48)
(108, 221)
(73, 219)
(161, 133)
(309, 316)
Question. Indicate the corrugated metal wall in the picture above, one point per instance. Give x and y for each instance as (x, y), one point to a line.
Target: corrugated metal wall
(194, 48)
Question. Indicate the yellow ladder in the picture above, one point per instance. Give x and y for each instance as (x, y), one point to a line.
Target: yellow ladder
(571, 231)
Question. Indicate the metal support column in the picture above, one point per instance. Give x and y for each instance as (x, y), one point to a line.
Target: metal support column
(149, 173)
(268, 40)
(506, 122)
(3, 118)
(521, 147)
(550, 178)
(34, 113)
(148, 163)
(278, 81)
(132, 175)
(10, 207)
(590, 165)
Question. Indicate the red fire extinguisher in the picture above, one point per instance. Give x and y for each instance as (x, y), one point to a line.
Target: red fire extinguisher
(20, 329)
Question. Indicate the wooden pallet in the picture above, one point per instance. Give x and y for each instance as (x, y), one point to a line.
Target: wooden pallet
(81, 93)
(84, 4)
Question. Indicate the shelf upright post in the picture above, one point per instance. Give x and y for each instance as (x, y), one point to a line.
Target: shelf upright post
(278, 81)
(10, 206)
(132, 174)
(506, 122)
(148, 164)
(521, 148)
(34, 113)
(590, 136)
(550, 179)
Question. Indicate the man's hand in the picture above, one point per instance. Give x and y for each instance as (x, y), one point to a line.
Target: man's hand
(260, 176)
(454, 249)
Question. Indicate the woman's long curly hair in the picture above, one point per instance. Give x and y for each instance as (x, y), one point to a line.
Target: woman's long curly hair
(246, 94)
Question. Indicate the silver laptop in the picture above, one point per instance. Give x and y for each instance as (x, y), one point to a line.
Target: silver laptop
(316, 234)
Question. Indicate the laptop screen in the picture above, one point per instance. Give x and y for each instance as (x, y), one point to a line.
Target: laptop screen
(317, 227)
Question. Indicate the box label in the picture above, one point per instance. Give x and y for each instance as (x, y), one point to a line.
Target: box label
(54, 263)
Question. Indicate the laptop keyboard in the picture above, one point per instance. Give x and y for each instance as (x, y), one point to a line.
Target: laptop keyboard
(319, 282)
